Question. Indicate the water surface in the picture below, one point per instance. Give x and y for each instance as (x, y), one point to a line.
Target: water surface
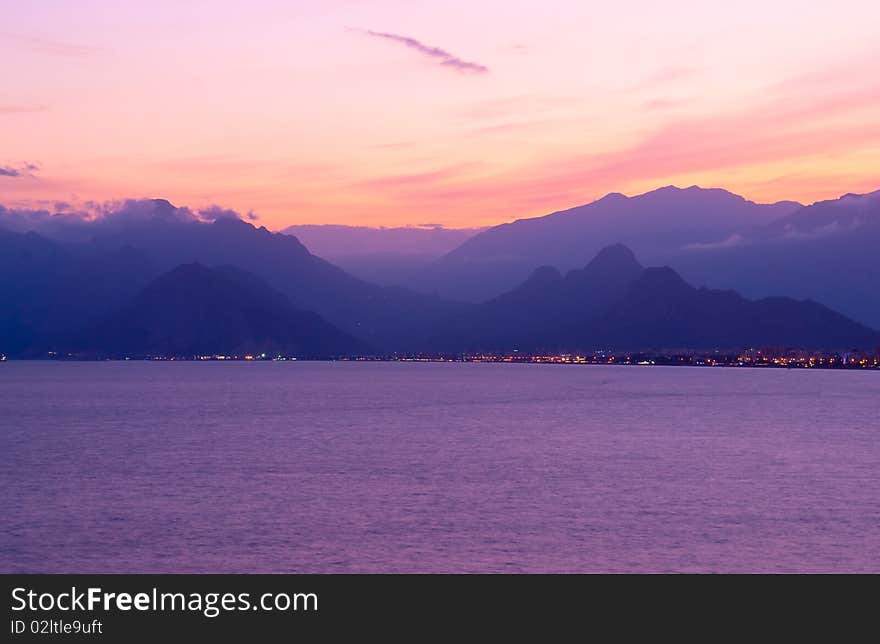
(404, 467)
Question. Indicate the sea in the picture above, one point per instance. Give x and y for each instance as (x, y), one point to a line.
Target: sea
(386, 467)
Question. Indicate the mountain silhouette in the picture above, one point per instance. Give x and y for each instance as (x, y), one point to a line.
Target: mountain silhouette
(546, 310)
(653, 224)
(54, 291)
(615, 303)
(662, 311)
(48, 289)
(386, 317)
(384, 255)
(823, 252)
(194, 310)
(826, 252)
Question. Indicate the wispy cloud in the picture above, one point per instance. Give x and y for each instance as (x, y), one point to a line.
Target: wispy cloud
(62, 220)
(729, 242)
(396, 145)
(11, 108)
(661, 104)
(664, 78)
(21, 170)
(50, 46)
(442, 56)
(418, 181)
(216, 213)
(671, 74)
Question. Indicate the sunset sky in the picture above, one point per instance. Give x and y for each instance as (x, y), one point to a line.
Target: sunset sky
(460, 113)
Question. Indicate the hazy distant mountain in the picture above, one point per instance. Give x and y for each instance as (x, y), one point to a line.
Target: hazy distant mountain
(826, 252)
(546, 310)
(382, 255)
(662, 311)
(195, 310)
(825, 219)
(330, 240)
(653, 224)
(166, 236)
(53, 289)
(48, 289)
(613, 303)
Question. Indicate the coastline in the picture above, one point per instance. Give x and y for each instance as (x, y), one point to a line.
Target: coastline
(750, 360)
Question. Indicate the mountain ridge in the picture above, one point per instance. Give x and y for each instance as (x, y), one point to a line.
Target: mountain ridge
(501, 256)
(194, 310)
(50, 287)
(615, 303)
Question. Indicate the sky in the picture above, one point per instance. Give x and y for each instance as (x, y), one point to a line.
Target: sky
(460, 113)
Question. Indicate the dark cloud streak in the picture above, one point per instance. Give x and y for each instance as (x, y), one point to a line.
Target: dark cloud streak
(23, 170)
(442, 56)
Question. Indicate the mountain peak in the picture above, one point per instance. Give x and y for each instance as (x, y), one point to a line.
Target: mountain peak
(610, 273)
(615, 257)
(196, 310)
(693, 191)
(233, 223)
(851, 197)
(544, 275)
(613, 196)
(663, 279)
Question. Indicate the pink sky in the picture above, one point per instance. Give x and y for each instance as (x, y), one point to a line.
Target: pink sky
(460, 113)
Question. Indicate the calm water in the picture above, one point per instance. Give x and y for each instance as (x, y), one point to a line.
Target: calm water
(382, 467)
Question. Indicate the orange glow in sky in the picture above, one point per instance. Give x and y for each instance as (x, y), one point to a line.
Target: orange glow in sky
(458, 113)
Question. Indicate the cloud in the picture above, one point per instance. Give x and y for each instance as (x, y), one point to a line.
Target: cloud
(398, 145)
(661, 104)
(664, 78)
(118, 214)
(79, 223)
(671, 74)
(787, 122)
(216, 213)
(418, 182)
(11, 108)
(831, 228)
(442, 56)
(67, 225)
(50, 46)
(21, 170)
(734, 240)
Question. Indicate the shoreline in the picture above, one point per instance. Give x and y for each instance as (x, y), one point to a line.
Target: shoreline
(858, 362)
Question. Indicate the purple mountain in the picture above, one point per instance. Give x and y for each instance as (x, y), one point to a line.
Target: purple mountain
(652, 224)
(615, 303)
(381, 255)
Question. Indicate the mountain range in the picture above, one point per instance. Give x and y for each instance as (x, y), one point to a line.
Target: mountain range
(381, 255)
(150, 277)
(615, 303)
(825, 252)
(651, 224)
(195, 310)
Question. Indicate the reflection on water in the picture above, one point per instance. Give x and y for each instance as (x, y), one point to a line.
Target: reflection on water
(384, 467)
